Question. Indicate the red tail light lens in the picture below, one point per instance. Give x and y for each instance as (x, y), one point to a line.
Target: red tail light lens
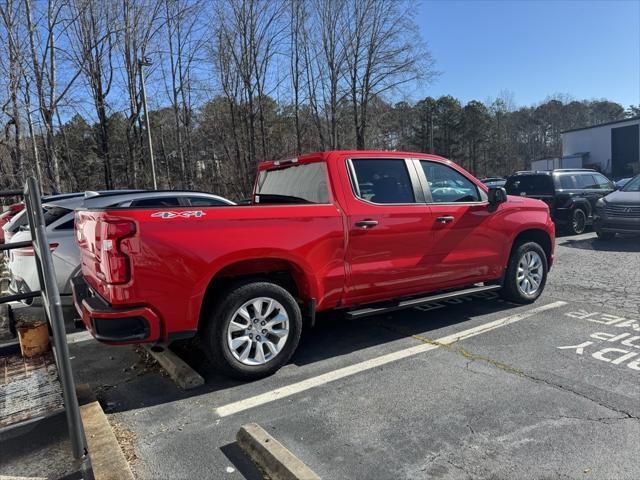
(115, 267)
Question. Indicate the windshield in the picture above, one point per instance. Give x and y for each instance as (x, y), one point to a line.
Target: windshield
(632, 185)
(296, 184)
(529, 185)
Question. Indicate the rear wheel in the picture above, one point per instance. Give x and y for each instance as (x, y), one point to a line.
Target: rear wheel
(526, 273)
(578, 222)
(253, 330)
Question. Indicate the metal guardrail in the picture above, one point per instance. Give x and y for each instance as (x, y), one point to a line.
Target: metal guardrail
(53, 310)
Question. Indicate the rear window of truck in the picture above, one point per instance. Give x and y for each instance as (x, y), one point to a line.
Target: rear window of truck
(297, 184)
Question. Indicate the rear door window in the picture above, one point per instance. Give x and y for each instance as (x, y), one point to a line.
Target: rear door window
(157, 202)
(382, 181)
(567, 182)
(297, 184)
(205, 202)
(529, 185)
(587, 181)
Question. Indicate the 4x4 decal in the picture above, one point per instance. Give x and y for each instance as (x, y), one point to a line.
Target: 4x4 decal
(187, 214)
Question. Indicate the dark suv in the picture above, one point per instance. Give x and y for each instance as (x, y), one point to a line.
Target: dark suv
(570, 193)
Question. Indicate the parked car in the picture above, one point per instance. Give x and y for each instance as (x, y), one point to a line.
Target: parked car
(494, 181)
(571, 194)
(13, 210)
(20, 220)
(622, 182)
(358, 231)
(59, 219)
(619, 212)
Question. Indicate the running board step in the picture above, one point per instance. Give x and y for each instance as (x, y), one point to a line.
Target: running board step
(415, 302)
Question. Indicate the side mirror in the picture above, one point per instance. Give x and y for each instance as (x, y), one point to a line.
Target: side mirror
(497, 195)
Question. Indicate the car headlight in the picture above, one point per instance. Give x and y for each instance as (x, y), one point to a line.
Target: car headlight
(600, 203)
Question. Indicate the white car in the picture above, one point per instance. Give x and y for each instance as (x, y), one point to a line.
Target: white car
(59, 218)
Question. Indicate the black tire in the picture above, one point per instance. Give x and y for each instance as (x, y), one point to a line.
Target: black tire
(578, 223)
(214, 333)
(510, 289)
(604, 235)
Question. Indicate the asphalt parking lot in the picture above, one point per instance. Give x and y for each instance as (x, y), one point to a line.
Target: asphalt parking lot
(467, 388)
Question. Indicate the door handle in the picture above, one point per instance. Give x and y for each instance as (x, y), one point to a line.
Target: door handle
(366, 223)
(446, 219)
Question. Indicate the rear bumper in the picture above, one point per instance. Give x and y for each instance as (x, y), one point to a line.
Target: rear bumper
(114, 325)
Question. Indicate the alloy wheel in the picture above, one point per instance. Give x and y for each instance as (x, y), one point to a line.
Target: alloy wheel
(579, 221)
(530, 273)
(258, 331)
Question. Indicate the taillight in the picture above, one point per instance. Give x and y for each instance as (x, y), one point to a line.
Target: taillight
(115, 267)
(29, 252)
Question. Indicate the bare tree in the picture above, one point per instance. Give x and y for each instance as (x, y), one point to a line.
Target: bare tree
(9, 15)
(297, 15)
(184, 40)
(43, 34)
(139, 23)
(93, 46)
(328, 53)
(381, 55)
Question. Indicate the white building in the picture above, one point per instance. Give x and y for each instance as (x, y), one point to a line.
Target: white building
(613, 148)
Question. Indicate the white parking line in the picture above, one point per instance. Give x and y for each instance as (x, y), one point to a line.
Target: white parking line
(273, 395)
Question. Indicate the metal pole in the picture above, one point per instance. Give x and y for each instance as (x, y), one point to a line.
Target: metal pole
(53, 308)
(143, 63)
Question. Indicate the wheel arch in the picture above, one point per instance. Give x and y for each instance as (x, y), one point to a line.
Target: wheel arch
(537, 235)
(285, 272)
(581, 203)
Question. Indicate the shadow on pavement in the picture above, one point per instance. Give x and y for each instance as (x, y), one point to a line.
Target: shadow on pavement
(626, 243)
(240, 461)
(333, 336)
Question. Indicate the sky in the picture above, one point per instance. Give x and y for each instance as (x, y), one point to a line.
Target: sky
(533, 49)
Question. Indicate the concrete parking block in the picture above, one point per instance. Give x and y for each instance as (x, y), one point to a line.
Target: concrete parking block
(181, 373)
(271, 456)
(107, 459)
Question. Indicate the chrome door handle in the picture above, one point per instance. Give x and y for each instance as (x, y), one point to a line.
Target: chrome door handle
(446, 219)
(366, 223)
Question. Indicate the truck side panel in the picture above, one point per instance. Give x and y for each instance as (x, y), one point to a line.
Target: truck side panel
(173, 259)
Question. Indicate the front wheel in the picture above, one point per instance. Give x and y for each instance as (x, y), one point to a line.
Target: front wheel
(526, 273)
(253, 330)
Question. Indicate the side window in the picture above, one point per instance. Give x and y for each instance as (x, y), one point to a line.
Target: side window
(567, 182)
(603, 182)
(205, 202)
(157, 202)
(586, 181)
(448, 185)
(383, 181)
(52, 214)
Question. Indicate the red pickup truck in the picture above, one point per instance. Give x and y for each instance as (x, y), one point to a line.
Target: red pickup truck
(364, 232)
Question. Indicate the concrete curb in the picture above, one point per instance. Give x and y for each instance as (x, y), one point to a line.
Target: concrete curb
(181, 373)
(107, 460)
(271, 456)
